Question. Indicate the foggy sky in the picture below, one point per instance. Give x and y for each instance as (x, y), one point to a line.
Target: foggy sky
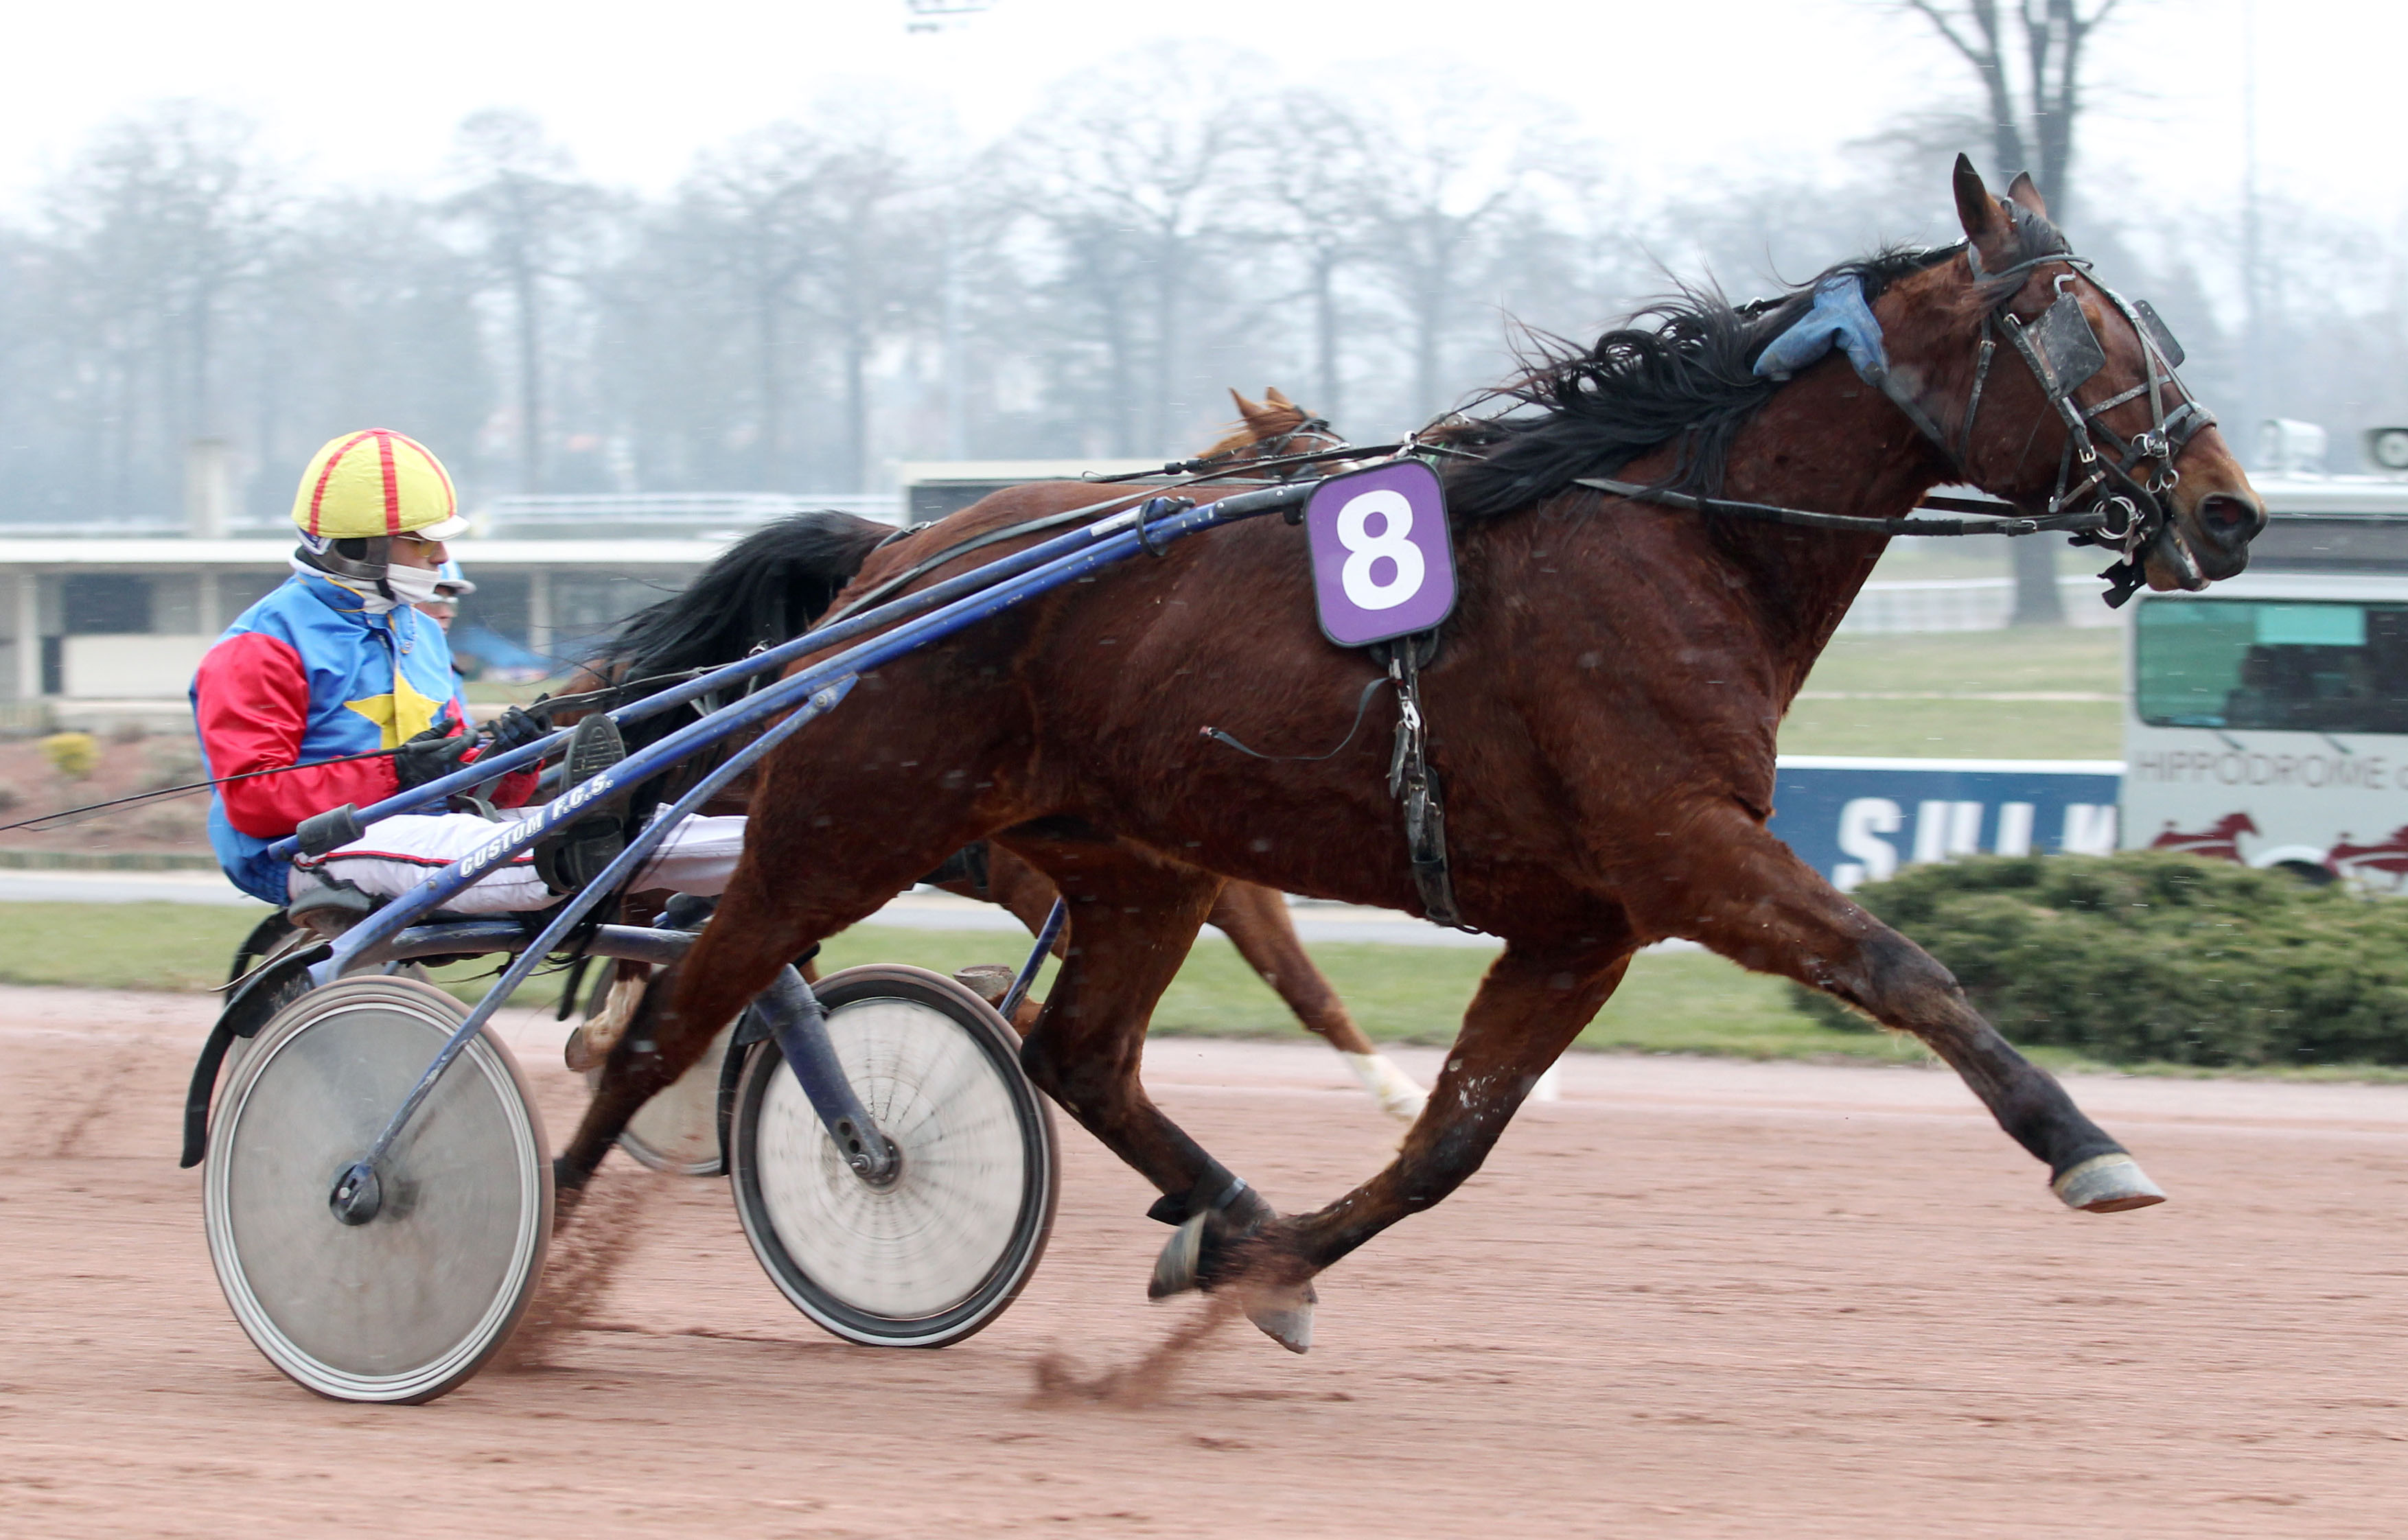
(368, 95)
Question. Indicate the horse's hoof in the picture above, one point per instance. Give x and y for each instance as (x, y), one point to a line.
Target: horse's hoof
(1176, 1270)
(2108, 1184)
(1285, 1315)
(1396, 1091)
(989, 981)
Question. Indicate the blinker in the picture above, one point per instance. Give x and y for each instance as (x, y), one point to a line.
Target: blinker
(2161, 336)
(2064, 342)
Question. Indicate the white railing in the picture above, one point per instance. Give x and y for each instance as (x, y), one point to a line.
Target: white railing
(691, 513)
(1965, 604)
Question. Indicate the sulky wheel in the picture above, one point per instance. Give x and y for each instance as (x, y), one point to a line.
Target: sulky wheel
(410, 1304)
(676, 1131)
(938, 1252)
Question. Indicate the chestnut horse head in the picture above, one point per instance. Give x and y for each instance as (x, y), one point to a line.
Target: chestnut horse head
(1271, 429)
(2015, 370)
(2127, 437)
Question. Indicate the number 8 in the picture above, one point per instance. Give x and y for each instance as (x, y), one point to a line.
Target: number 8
(1364, 550)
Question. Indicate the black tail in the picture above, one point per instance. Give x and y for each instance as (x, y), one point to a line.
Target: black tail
(763, 590)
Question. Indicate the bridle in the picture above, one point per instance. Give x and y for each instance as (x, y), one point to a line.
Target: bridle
(2125, 488)
(1273, 459)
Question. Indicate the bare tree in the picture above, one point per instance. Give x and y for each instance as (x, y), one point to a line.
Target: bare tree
(526, 211)
(1139, 188)
(876, 247)
(364, 314)
(155, 228)
(2027, 55)
(1447, 180)
(752, 213)
(1313, 151)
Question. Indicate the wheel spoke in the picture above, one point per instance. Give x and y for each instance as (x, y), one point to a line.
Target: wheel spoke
(959, 1224)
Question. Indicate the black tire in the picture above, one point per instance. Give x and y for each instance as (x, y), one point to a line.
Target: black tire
(272, 931)
(940, 1252)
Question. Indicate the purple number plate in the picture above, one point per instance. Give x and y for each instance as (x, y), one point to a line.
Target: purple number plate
(1383, 563)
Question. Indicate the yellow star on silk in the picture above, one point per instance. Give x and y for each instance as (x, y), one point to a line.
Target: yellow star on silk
(400, 716)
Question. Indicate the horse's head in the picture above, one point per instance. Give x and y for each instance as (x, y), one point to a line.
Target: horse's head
(2067, 399)
(1271, 429)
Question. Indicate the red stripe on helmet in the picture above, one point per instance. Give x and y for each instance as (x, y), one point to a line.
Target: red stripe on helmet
(318, 494)
(450, 498)
(392, 483)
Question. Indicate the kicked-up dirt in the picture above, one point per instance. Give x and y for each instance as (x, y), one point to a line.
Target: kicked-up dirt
(1690, 1298)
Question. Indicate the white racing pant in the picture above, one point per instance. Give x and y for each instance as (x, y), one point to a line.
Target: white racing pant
(698, 857)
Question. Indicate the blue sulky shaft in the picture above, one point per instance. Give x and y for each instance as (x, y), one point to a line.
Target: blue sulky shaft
(807, 695)
(357, 1195)
(433, 792)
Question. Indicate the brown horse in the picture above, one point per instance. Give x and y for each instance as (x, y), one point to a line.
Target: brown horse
(1603, 714)
(775, 582)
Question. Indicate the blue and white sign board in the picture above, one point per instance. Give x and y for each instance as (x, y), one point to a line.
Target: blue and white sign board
(1382, 559)
(1857, 821)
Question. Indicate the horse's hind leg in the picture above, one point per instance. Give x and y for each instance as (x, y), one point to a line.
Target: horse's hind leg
(1133, 917)
(1256, 919)
(1743, 893)
(770, 915)
(1528, 1009)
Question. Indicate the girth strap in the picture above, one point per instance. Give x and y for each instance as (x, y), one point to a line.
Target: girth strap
(1411, 782)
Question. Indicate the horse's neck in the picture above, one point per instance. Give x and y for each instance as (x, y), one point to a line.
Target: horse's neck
(1832, 444)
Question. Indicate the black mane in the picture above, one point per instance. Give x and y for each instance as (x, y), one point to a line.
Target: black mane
(1682, 372)
(766, 588)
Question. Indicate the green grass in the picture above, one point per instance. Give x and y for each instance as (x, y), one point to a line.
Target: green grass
(122, 945)
(1672, 1003)
(2046, 658)
(1956, 730)
(1691, 1004)
(1961, 664)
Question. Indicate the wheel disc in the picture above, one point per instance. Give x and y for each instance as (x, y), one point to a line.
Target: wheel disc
(676, 1131)
(936, 1253)
(410, 1304)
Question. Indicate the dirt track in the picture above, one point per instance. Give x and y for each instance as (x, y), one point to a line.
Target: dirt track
(1690, 1299)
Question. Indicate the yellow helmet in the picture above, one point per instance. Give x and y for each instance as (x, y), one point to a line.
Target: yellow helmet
(373, 484)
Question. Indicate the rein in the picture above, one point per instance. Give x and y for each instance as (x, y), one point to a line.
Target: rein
(166, 793)
(2111, 505)
(2127, 509)
(592, 699)
(1853, 523)
(1187, 473)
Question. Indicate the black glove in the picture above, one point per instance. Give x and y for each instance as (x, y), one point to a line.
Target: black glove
(515, 729)
(430, 756)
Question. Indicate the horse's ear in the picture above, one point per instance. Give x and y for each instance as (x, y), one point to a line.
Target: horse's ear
(1247, 409)
(1984, 222)
(2025, 193)
(1271, 394)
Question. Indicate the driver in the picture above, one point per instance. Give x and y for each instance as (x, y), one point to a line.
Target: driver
(335, 670)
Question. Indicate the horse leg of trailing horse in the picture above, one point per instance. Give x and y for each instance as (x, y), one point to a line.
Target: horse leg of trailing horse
(1256, 919)
(1743, 893)
(1529, 1008)
(1133, 918)
(1021, 888)
(764, 921)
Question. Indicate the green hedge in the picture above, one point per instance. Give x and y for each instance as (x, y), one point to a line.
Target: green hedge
(2159, 957)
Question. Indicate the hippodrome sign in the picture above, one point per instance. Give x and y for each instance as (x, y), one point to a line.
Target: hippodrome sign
(1382, 562)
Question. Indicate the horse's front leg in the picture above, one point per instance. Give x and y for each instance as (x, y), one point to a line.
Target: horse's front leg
(1745, 895)
(1532, 1003)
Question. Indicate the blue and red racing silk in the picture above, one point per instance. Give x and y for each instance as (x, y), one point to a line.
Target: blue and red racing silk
(310, 674)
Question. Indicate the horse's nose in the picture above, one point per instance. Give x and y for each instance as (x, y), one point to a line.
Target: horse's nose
(2229, 519)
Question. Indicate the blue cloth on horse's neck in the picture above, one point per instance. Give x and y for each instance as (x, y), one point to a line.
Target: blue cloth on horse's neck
(1839, 317)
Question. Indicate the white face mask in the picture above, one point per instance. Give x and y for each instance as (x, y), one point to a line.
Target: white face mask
(411, 585)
